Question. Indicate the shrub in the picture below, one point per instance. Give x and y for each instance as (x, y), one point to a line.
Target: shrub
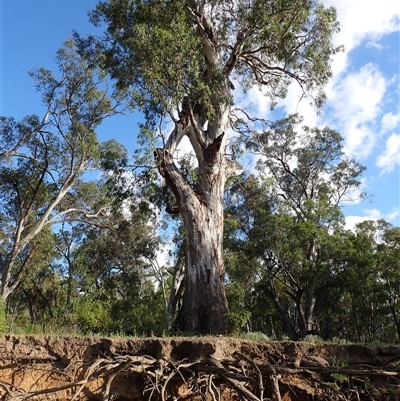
(3, 317)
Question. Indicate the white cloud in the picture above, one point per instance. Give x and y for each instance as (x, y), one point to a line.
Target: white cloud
(362, 20)
(356, 195)
(295, 102)
(371, 214)
(393, 215)
(356, 101)
(390, 121)
(374, 44)
(359, 95)
(357, 98)
(254, 101)
(390, 158)
(184, 147)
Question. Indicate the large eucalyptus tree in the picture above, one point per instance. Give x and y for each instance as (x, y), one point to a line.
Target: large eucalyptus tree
(181, 59)
(43, 163)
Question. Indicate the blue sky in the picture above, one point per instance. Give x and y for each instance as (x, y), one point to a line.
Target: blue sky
(363, 95)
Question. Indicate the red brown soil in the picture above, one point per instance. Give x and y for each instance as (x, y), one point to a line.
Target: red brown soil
(302, 371)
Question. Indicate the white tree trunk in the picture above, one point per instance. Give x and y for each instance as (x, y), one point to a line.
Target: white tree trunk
(204, 305)
(204, 302)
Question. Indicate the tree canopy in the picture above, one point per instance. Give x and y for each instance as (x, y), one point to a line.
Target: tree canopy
(181, 60)
(161, 51)
(81, 251)
(43, 162)
(288, 221)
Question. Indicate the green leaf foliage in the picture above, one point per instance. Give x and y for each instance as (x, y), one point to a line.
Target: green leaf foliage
(286, 228)
(157, 54)
(44, 163)
(155, 51)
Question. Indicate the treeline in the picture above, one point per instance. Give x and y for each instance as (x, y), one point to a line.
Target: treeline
(293, 266)
(80, 242)
(351, 291)
(76, 252)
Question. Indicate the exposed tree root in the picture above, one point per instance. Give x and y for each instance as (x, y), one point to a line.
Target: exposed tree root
(209, 379)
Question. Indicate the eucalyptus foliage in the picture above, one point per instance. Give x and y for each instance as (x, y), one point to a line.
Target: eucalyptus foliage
(178, 62)
(43, 162)
(288, 222)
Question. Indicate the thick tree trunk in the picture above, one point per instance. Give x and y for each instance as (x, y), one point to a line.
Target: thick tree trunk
(310, 306)
(201, 207)
(204, 302)
(287, 324)
(309, 324)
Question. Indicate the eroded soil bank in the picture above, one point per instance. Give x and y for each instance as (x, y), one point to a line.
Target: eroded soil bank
(198, 368)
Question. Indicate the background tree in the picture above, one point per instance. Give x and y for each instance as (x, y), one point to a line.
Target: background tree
(290, 232)
(96, 277)
(177, 60)
(43, 162)
(115, 271)
(244, 199)
(362, 302)
(388, 254)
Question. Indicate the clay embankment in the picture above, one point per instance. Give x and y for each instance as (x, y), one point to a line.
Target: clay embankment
(207, 368)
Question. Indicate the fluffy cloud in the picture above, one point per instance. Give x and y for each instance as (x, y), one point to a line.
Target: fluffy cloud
(371, 214)
(356, 101)
(356, 195)
(253, 101)
(390, 121)
(390, 158)
(296, 103)
(356, 97)
(359, 94)
(362, 20)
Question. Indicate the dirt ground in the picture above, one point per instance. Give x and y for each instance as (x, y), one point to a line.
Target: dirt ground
(196, 368)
